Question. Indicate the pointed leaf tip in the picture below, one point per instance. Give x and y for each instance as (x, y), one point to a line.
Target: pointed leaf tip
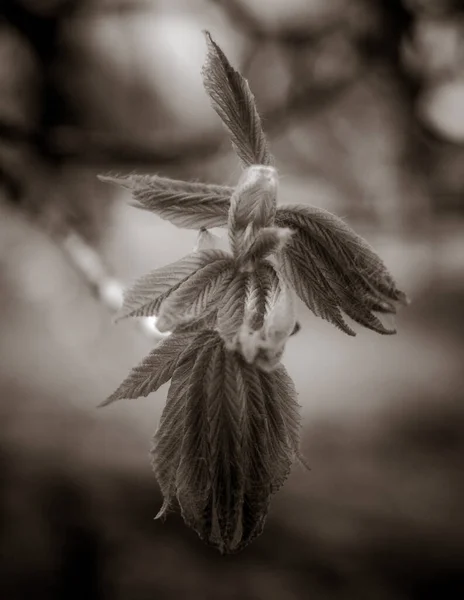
(155, 369)
(104, 403)
(234, 103)
(208, 36)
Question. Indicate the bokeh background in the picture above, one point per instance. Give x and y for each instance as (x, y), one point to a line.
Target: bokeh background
(363, 103)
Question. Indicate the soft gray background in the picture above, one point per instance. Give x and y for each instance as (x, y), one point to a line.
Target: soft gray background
(363, 102)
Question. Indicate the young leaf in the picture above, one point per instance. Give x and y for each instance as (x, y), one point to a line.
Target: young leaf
(207, 322)
(190, 205)
(208, 478)
(144, 297)
(252, 206)
(342, 288)
(284, 419)
(232, 308)
(165, 451)
(166, 448)
(251, 338)
(258, 290)
(268, 318)
(236, 450)
(306, 278)
(269, 240)
(196, 296)
(259, 470)
(351, 252)
(153, 371)
(233, 101)
(224, 407)
(193, 481)
(279, 319)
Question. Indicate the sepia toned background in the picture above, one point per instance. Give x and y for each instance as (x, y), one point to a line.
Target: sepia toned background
(363, 104)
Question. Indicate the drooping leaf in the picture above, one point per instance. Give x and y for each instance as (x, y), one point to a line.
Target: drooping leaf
(209, 479)
(270, 442)
(310, 283)
(259, 469)
(144, 297)
(153, 371)
(342, 289)
(347, 249)
(166, 446)
(236, 450)
(190, 205)
(193, 481)
(197, 295)
(167, 442)
(233, 101)
(224, 411)
(284, 421)
(286, 399)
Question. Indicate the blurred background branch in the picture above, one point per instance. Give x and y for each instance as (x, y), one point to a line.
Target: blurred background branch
(77, 86)
(363, 104)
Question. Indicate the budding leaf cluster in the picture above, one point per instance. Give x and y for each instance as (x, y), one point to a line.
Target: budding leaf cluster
(229, 432)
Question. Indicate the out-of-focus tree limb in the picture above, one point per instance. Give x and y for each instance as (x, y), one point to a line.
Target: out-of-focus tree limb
(102, 284)
(73, 145)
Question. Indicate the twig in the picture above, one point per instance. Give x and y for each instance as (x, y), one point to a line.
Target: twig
(106, 288)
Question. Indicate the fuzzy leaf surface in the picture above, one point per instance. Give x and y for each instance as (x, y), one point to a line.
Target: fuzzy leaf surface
(189, 205)
(233, 101)
(144, 297)
(279, 317)
(280, 308)
(257, 293)
(268, 240)
(167, 442)
(153, 371)
(197, 295)
(252, 206)
(346, 248)
(237, 449)
(231, 310)
(301, 270)
(209, 479)
(330, 285)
